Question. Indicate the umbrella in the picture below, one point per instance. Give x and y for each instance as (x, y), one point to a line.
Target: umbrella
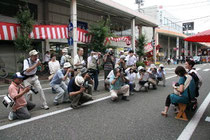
(200, 37)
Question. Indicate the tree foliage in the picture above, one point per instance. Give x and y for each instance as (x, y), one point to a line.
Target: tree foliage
(141, 42)
(99, 32)
(26, 21)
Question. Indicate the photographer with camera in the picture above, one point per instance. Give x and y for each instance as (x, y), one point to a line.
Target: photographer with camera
(92, 66)
(88, 82)
(31, 79)
(161, 75)
(121, 63)
(21, 107)
(152, 76)
(77, 93)
(59, 85)
(109, 63)
(142, 79)
(118, 85)
(131, 59)
(130, 74)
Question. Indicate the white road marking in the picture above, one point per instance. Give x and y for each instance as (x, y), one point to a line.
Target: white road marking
(55, 112)
(207, 119)
(190, 128)
(48, 114)
(206, 70)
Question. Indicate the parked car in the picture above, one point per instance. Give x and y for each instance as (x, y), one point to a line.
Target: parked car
(197, 59)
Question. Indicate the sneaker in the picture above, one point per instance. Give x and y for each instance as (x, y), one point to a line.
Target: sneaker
(11, 116)
(125, 98)
(56, 103)
(45, 107)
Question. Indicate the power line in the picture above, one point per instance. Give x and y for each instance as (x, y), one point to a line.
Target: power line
(186, 4)
(193, 19)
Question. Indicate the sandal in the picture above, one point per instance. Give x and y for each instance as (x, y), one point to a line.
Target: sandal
(164, 114)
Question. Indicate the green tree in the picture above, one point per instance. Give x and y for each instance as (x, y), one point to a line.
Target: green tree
(99, 32)
(26, 21)
(141, 42)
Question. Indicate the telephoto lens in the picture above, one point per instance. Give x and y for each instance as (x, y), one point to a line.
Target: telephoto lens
(34, 90)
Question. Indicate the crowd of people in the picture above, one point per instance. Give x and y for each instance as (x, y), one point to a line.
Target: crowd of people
(73, 80)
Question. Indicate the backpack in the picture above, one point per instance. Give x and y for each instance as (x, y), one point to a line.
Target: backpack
(197, 80)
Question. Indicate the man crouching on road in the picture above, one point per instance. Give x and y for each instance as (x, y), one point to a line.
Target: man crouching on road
(77, 93)
(21, 108)
(118, 85)
(58, 83)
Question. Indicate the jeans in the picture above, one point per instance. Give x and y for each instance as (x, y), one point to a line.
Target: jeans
(95, 78)
(62, 93)
(23, 113)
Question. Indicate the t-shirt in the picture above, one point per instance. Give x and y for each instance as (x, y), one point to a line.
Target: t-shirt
(63, 60)
(47, 58)
(130, 60)
(27, 63)
(57, 78)
(72, 87)
(78, 59)
(159, 73)
(145, 76)
(13, 91)
(118, 84)
(54, 66)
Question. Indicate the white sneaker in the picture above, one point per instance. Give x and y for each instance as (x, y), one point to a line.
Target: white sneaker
(11, 116)
(45, 107)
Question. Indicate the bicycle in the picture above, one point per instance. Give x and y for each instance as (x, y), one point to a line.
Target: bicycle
(3, 72)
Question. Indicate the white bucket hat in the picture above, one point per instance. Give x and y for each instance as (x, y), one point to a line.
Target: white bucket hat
(33, 52)
(152, 66)
(67, 65)
(79, 80)
(161, 65)
(140, 68)
(65, 51)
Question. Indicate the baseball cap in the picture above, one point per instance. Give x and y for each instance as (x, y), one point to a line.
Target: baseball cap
(152, 66)
(79, 80)
(122, 57)
(18, 75)
(33, 52)
(67, 65)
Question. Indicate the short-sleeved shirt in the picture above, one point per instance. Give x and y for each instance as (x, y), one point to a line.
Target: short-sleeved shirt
(27, 63)
(159, 73)
(145, 76)
(184, 98)
(78, 59)
(14, 90)
(63, 60)
(72, 87)
(130, 60)
(118, 84)
(54, 66)
(57, 78)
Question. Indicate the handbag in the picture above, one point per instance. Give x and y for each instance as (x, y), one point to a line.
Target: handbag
(8, 101)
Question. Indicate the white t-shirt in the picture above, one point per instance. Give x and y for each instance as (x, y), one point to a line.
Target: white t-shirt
(78, 59)
(27, 63)
(54, 66)
(130, 60)
(47, 58)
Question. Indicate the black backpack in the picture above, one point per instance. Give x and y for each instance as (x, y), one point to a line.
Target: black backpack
(196, 79)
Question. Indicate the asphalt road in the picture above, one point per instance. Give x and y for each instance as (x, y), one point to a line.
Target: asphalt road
(134, 120)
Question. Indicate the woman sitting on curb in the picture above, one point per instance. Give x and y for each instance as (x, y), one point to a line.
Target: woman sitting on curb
(184, 87)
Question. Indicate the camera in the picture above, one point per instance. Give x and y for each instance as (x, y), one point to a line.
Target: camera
(85, 84)
(34, 90)
(8, 101)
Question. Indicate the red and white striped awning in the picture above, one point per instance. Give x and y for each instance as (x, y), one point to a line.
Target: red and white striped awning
(9, 31)
(126, 39)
